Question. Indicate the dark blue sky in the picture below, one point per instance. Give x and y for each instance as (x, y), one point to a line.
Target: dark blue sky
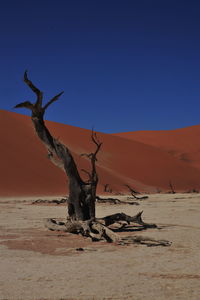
(124, 65)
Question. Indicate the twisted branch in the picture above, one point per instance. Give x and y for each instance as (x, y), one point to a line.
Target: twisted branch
(54, 147)
(93, 177)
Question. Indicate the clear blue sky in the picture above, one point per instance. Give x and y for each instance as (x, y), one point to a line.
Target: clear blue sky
(124, 65)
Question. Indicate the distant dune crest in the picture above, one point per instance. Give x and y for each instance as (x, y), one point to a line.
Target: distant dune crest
(146, 160)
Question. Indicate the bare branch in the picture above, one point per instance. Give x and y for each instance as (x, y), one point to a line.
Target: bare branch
(96, 142)
(25, 104)
(88, 155)
(129, 219)
(38, 104)
(132, 191)
(38, 93)
(92, 156)
(55, 98)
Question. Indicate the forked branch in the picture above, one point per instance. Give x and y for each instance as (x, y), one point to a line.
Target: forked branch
(37, 108)
(56, 150)
(93, 177)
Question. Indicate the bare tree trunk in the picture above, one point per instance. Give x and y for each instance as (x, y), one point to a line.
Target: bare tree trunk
(171, 188)
(82, 195)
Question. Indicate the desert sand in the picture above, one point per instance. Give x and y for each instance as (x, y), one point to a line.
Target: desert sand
(38, 264)
(26, 170)
(181, 143)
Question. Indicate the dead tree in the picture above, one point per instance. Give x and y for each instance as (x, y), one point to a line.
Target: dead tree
(133, 192)
(106, 187)
(172, 191)
(82, 194)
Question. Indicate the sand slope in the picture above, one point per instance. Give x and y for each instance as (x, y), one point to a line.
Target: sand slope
(183, 143)
(25, 169)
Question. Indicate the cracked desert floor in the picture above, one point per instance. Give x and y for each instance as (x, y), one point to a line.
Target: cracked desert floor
(39, 264)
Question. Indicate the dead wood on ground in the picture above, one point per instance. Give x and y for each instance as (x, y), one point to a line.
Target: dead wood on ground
(81, 202)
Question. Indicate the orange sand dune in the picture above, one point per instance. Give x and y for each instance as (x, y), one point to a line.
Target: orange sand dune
(183, 144)
(26, 170)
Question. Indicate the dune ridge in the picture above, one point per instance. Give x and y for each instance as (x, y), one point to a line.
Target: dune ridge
(146, 166)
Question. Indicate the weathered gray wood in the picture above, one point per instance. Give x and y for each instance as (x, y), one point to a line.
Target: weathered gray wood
(82, 195)
(98, 231)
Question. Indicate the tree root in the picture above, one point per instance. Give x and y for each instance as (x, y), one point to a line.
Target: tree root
(93, 229)
(98, 229)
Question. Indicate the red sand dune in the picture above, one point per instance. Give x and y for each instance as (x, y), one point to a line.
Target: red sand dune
(26, 170)
(183, 143)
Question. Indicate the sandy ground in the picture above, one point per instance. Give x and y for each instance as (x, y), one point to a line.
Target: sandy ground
(39, 264)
